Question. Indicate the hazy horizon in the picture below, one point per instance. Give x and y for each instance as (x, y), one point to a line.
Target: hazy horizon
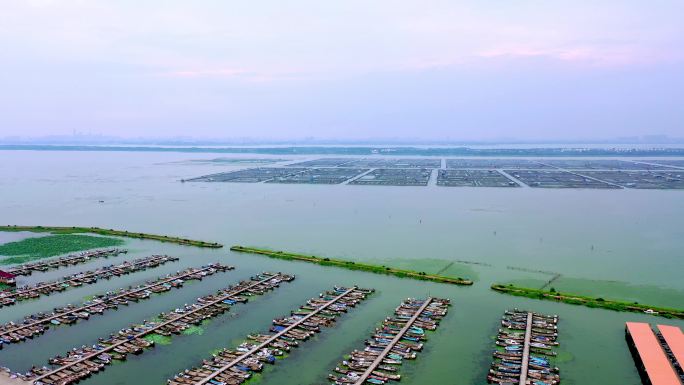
(433, 71)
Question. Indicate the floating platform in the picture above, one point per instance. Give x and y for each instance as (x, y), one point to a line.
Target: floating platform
(524, 351)
(81, 362)
(8, 298)
(69, 260)
(236, 366)
(36, 324)
(400, 337)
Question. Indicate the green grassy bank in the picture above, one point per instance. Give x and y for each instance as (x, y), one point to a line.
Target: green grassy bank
(351, 265)
(112, 232)
(599, 302)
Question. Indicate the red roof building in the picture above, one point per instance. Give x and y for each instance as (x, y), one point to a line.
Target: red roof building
(653, 364)
(7, 278)
(674, 338)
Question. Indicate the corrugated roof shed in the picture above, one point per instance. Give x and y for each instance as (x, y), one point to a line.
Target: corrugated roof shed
(675, 340)
(656, 364)
(4, 274)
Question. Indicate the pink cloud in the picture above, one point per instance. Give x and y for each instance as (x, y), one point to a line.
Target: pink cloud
(197, 73)
(595, 56)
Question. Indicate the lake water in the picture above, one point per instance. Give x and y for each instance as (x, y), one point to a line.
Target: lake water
(616, 243)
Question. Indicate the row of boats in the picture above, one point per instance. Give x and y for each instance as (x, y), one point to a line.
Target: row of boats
(235, 366)
(82, 362)
(524, 349)
(399, 338)
(39, 323)
(8, 298)
(69, 260)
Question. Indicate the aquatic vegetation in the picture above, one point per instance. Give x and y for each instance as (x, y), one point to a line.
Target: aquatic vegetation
(158, 339)
(351, 265)
(193, 330)
(43, 247)
(598, 302)
(436, 266)
(594, 288)
(111, 232)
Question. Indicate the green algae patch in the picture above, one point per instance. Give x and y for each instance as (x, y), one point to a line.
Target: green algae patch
(111, 232)
(192, 330)
(158, 339)
(353, 265)
(30, 249)
(593, 302)
(563, 357)
(624, 291)
(436, 266)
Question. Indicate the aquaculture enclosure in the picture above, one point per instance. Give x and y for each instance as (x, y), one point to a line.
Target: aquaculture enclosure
(324, 162)
(252, 175)
(495, 164)
(395, 177)
(666, 162)
(557, 179)
(320, 176)
(599, 164)
(641, 179)
(475, 178)
(396, 163)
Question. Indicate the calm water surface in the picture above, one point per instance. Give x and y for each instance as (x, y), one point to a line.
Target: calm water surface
(633, 237)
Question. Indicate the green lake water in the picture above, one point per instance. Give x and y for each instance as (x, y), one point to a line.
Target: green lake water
(623, 244)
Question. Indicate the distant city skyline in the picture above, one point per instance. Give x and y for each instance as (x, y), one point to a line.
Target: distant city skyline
(435, 71)
(96, 139)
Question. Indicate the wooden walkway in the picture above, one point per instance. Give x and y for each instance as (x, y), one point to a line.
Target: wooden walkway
(395, 340)
(69, 260)
(109, 300)
(526, 351)
(54, 285)
(151, 330)
(274, 337)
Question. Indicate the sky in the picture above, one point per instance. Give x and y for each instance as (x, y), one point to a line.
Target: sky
(352, 69)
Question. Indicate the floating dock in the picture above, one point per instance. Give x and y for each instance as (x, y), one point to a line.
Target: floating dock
(37, 324)
(235, 366)
(69, 260)
(658, 357)
(524, 350)
(80, 363)
(399, 338)
(8, 298)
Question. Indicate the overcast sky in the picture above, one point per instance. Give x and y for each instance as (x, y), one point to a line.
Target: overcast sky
(471, 70)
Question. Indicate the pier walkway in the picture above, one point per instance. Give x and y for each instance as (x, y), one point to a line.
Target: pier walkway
(69, 260)
(112, 300)
(369, 371)
(274, 337)
(526, 351)
(226, 295)
(26, 292)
